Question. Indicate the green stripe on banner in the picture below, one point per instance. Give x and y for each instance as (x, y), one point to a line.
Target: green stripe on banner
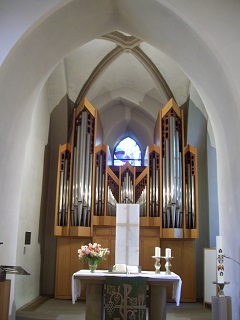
(125, 298)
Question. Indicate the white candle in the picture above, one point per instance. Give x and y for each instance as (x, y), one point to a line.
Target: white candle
(220, 264)
(157, 252)
(168, 253)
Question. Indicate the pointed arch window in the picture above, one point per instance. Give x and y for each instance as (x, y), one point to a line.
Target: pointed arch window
(127, 150)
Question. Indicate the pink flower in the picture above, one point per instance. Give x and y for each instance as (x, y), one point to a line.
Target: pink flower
(92, 251)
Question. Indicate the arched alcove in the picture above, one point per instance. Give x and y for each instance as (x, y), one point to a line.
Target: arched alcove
(39, 51)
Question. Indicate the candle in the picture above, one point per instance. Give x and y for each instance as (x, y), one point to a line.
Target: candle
(157, 252)
(220, 264)
(168, 253)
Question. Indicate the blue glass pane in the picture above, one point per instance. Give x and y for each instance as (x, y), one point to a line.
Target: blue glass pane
(127, 151)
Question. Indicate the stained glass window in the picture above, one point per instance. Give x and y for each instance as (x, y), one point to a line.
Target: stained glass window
(127, 151)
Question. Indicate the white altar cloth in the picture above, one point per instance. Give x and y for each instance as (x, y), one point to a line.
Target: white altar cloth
(151, 275)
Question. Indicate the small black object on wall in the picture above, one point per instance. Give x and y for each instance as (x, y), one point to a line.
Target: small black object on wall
(27, 237)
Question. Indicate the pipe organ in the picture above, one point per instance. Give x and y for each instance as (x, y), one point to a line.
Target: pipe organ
(89, 188)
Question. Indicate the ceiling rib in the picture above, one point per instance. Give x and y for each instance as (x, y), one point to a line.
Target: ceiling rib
(102, 65)
(125, 44)
(153, 71)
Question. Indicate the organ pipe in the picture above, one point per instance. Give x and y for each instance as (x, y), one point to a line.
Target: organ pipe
(154, 184)
(190, 188)
(100, 183)
(112, 196)
(127, 185)
(63, 186)
(82, 170)
(141, 196)
(171, 171)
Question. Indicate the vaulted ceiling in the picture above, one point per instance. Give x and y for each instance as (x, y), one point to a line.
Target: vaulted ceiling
(127, 80)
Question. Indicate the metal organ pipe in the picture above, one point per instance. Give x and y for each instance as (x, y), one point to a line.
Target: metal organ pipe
(193, 201)
(190, 192)
(127, 187)
(103, 192)
(89, 190)
(113, 195)
(153, 186)
(172, 160)
(123, 190)
(73, 211)
(168, 184)
(176, 161)
(157, 191)
(97, 189)
(74, 205)
(189, 196)
(180, 194)
(167, 174)
(144, 202)
(100, 187)
(63, 189)
(172, 174)
(60, 199)
(179, 181)
(100, 183)
(111, 203)
(150, 195)
(65, 194)
(81, 167)
(164, 192)
(141, 196)
(86, 180)
(82, 172)
(76, 175)
(172, 171)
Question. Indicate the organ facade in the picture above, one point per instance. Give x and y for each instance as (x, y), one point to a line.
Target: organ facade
(89, 187)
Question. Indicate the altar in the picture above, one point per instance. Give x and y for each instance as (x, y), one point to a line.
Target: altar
(95, 284)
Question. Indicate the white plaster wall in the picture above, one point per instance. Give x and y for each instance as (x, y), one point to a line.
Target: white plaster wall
(56, 86)
(29, 257)
(21, 17)
(196, 136)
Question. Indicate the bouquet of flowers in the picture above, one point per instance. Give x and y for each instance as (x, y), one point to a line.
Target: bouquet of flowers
(93, 253)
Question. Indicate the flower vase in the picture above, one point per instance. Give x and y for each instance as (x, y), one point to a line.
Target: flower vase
(92, 265)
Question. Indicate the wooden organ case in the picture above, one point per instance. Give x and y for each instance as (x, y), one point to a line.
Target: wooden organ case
(89, 187)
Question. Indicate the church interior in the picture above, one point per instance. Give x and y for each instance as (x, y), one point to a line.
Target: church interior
(79, 77)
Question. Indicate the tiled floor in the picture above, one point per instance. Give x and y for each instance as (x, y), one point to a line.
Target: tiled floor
(55, 309)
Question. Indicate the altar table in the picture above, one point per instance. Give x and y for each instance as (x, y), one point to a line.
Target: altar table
(94, 282)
